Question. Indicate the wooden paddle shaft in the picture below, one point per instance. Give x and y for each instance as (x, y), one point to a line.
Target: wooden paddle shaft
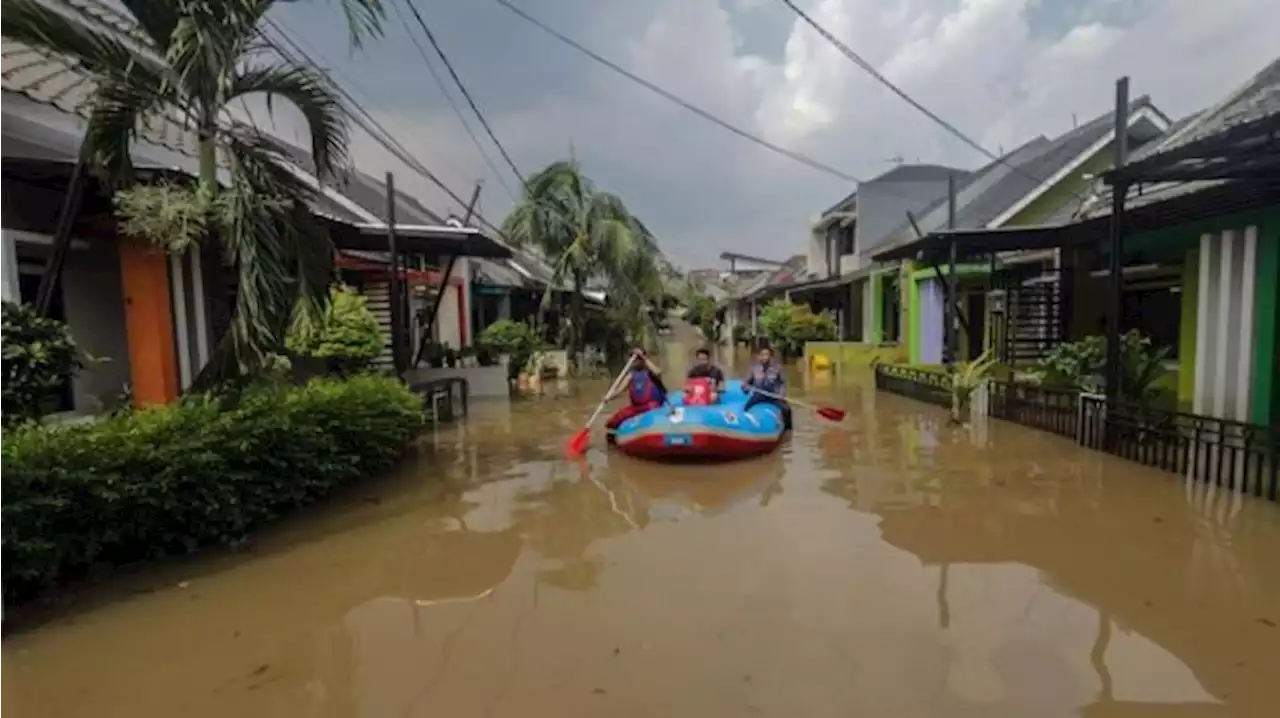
(779, 397)
(612, 388)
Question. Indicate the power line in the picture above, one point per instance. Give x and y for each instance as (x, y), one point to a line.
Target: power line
(870, 69)
(457, 111)
(365, 120)
(463, 88)
(795, 156)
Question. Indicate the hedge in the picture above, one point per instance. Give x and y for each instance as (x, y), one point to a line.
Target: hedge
(169, 480)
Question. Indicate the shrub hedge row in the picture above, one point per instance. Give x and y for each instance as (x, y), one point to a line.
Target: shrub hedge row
(169, 480)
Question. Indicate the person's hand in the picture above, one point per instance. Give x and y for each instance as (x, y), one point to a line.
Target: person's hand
(637, 353)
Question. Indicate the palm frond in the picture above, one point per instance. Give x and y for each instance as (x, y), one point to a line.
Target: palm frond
(311, 94)
(156, 18)
(117, 108)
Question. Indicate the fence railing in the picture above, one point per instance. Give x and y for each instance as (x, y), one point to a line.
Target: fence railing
(1239, 455)
(1234, 454)
(1045, 408)
(927, 386)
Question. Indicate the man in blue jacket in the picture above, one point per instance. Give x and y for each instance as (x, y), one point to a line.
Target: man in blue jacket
(768, 376)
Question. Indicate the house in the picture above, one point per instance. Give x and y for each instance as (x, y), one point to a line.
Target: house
(1039, 181)
(745, 299)
(146, 312)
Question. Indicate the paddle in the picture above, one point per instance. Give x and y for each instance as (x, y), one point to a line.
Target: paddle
(827, 412)
(578, 443)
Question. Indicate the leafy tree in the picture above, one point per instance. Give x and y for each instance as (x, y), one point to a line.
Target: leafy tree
(40, 357)
(587, 234)
(346, 336)
(191, 60)
(518, 340)
(788, 326)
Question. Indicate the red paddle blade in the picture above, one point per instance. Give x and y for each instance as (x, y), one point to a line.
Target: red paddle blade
(578, 444)
(831, 413)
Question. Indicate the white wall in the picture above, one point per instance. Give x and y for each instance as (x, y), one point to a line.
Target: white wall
(1224, 323)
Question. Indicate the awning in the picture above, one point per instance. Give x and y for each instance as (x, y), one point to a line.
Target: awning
(818, 285)
(428, 240)
(1216, 201)
(369, 265)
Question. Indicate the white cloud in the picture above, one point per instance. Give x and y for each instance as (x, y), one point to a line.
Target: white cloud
(975, 62)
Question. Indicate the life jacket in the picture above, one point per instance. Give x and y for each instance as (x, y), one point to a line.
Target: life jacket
(697, 391)
(641, 390)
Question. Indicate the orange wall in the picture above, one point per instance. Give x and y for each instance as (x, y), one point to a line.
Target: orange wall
(144, 272)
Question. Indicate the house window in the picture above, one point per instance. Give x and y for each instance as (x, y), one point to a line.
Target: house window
(844, 241)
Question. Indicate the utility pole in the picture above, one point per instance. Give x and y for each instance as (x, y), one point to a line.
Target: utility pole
(950, 309)
(396, 305)
(1118, 192)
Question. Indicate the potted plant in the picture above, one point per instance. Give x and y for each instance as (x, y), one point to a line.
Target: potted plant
(966, 377)
(468, 356)
(484, 355)
(434, 354)
(450, 357)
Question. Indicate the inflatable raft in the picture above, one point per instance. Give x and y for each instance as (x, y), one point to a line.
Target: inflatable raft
(715, 431)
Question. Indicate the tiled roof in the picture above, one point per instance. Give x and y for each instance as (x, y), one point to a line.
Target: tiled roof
(995, 188)
(1257, 98)
(61, 83)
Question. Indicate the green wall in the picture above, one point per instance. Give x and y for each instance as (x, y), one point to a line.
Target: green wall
(1264, 390)
(1055, 197)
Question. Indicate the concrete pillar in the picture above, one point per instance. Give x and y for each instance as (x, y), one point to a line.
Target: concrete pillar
(12, 287)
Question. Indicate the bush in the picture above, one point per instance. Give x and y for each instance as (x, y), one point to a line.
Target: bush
(518, 340)
(1082, 366)
(169, 480)
(347, 338)
(788, 326)
(39, 359)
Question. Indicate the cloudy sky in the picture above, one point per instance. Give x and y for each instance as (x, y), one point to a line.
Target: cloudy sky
(1003, 71)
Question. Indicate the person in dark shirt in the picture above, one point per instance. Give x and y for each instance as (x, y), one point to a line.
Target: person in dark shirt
(766, 374)
(703, 369)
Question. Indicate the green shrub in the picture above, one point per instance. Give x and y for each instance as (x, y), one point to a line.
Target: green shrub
(788, 326)
(39, 359)
(518, 340)
(1082, 365)
(347, 337)
(169, 480)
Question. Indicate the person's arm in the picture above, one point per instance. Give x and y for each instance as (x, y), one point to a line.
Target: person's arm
(653, 368)
(751, 377)
(718, 379)
(781, 388)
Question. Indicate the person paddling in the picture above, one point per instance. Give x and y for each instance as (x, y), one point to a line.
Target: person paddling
(643, 388)
(767, 375)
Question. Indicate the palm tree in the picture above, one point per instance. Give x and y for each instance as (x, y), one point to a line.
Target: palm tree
(187, 61)
(587, 234)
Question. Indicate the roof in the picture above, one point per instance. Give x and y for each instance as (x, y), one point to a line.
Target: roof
(430, 240)
(1223, 199)
(1256, 98)
(1253, 103)
(59, 82)
(901, 173)
(1001, 185)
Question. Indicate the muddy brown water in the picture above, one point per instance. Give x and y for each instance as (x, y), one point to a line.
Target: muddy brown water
(890, 565)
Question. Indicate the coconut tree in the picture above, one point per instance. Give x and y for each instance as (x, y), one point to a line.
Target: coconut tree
(587, 234)
(187, 61)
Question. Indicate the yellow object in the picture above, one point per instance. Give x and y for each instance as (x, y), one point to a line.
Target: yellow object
(820, 361)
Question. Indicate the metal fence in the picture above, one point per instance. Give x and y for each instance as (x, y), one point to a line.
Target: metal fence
(927, 386)
(1239, 455)
(1045, 408)
(1234, 454)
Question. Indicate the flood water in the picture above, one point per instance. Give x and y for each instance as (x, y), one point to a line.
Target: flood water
(890, 565)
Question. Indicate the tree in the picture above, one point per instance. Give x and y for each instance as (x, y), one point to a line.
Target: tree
(586, 234)
(190, 60)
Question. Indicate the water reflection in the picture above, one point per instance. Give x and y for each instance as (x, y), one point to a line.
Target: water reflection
(888, 565)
